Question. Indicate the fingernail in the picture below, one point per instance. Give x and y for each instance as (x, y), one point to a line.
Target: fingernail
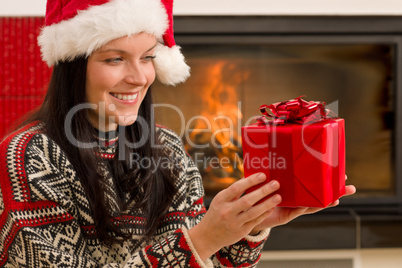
(261, 177)
(277, 198)
(274, 185)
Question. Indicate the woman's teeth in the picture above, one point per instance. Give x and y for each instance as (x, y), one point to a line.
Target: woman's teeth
(125, 96)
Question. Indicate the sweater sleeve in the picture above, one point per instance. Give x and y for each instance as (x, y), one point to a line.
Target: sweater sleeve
(244, 253)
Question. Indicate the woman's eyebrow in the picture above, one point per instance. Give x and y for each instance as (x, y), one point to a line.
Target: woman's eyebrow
(113, 50)
(152, 47)
(123, 51)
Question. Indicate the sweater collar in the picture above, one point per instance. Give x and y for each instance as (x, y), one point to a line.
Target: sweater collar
(107, 143)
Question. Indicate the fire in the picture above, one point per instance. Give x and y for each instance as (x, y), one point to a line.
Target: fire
(218, 126)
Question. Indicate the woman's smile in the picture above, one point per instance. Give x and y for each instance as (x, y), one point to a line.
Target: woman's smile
(128, 98)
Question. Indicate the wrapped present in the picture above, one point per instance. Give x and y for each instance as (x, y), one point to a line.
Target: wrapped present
(298, 144)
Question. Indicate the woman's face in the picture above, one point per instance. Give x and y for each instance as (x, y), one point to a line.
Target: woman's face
(118, 77)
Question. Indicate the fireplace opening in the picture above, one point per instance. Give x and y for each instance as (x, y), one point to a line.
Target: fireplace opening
(232, 75)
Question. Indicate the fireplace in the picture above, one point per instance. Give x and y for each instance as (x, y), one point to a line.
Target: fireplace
(239, 63)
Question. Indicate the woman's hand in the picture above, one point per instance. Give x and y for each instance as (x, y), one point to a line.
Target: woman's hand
(232, 215)
(283, 215)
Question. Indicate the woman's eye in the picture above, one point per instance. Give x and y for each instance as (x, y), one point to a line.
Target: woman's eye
(114, 60)
(149, 58)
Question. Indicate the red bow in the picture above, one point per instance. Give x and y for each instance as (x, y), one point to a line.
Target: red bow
(295, 111)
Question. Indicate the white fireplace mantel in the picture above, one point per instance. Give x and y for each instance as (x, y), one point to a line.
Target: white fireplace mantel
(242, 7)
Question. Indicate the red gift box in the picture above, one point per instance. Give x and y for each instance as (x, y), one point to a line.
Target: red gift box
(299, 147)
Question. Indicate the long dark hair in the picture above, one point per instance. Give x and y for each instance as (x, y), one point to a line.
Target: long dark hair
(151, 192)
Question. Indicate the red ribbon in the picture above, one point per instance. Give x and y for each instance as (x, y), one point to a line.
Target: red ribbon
(292, 111)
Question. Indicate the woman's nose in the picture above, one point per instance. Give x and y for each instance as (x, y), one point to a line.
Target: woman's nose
(135, 75)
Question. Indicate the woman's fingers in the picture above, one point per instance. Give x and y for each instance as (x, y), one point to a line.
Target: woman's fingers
(249, 200)
(238, 188)
(256, 221)
(349, 190)
(256, 211)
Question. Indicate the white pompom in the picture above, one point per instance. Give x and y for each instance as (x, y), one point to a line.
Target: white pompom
(171, 68)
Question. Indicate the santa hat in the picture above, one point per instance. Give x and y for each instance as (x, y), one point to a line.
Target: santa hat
(79, 27)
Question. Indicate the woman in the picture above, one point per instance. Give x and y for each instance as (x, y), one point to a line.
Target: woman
(71, 194)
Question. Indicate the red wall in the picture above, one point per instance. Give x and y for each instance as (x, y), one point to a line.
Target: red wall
(24, 76)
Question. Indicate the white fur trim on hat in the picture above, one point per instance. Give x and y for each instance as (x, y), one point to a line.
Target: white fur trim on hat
(170, 65)
(92, 28)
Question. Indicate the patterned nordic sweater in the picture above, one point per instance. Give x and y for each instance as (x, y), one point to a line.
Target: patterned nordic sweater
(45, 216)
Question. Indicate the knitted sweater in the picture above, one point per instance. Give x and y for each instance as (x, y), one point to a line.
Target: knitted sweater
(46, 221)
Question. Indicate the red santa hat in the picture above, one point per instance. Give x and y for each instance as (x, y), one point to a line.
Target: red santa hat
(79, 27)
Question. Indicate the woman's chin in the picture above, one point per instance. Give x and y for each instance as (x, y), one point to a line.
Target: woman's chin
(127, 121)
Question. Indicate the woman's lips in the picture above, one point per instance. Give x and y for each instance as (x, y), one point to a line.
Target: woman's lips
(129, 98)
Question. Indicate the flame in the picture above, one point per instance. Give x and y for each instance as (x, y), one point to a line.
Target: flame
(221, 117)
